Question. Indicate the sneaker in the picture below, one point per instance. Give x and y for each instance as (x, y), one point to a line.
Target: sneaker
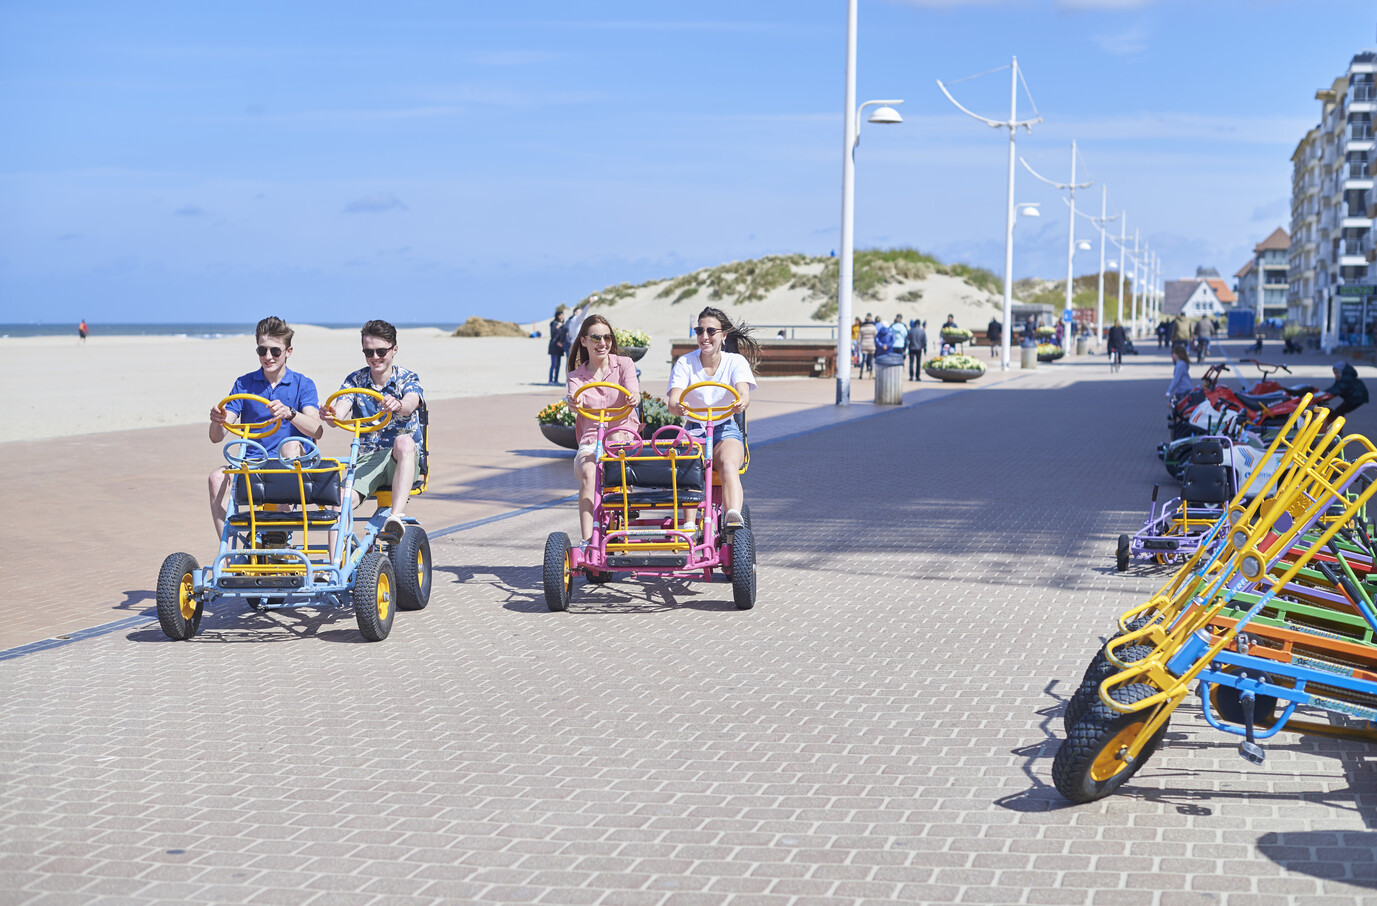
(734, 520)
(392, 530)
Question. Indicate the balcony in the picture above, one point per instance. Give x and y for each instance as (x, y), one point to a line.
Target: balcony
(1358, 169)
(1359, 132)
(1362, 93)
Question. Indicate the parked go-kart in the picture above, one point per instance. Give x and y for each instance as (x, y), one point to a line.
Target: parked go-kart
(289, 537)
(657, 510)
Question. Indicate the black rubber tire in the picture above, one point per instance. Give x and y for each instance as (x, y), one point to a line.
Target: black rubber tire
(559, 579)
(746, 518)
(411, 564)
(600, 577)
(1228, 704)
(374, 596)
(1100, 669)
(179, 612)
(743, 569)
(1100, 733)
(1122, 553)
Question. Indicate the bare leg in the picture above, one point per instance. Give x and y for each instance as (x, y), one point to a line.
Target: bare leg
(727, 456)
(587, 485)
(404, 452)
(218, 483)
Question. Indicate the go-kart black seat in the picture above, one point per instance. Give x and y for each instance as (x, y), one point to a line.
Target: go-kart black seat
(1207, 480)
(1256, 403)
(652, 482)
(274, 481)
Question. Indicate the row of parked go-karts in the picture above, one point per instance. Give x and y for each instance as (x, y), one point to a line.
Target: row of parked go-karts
(1270, 615)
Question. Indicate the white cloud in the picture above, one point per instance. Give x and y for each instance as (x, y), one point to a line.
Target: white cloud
(189, 210)
(1124, 43)
(376, 203)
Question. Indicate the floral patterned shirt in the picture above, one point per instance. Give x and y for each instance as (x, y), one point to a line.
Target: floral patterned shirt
(402, 382)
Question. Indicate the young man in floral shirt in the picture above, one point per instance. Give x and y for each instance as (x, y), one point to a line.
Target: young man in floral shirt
(390, 455)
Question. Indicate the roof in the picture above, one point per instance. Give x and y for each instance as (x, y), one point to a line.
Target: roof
(1222, 292)
(1245, 269)
(1279, 240)
(1178, 293)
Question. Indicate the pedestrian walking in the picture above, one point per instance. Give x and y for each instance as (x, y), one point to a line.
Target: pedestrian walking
(1117, 342)
(867, 341)
(1180, 375)
(917, 345)
(558, 346)
(82, 331)
(856, 342)
(1348, 387)
(994, 332)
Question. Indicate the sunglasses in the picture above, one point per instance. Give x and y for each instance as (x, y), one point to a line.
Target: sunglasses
(377, 353)
(710, 331)
(599, 337)
(273, 351)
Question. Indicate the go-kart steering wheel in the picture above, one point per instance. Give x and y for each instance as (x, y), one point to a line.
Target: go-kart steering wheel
(250, 430)
(368, 423)
(309, 456)
(254, 454)
(610, 414)
(705, 414)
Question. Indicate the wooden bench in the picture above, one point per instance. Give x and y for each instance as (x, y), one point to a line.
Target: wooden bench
(783, 358)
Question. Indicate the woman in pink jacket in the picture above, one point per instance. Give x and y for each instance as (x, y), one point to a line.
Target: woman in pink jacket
(593, 358)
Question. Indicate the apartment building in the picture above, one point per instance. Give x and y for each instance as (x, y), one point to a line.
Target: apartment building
(1263, 283)
(1331, 260)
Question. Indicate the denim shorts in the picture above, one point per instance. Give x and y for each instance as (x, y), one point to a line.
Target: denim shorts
(727, 430)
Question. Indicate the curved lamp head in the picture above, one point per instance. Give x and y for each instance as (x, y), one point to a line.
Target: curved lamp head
(1029, 209)
(885, 114)
(1083, 245)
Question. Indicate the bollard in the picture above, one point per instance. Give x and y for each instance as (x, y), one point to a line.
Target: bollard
(1029, 354)
(889, 379)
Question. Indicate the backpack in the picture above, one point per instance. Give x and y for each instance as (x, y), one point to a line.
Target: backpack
(884, 339)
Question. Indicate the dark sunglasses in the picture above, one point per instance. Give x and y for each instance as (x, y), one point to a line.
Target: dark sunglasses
(377, 353)
(274, 351)
(710, 331)
(599, 337)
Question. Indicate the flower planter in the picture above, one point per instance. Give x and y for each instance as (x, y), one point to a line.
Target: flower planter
(560, 436)
(952, 375)
(1049, 356)
(633, 353)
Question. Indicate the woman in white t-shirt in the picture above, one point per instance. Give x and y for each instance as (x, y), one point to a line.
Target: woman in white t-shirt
(718, 358)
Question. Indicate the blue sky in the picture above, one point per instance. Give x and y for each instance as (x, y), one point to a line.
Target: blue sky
(429, 161)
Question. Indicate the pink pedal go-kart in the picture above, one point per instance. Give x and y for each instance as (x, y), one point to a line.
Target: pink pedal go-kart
(657, 509)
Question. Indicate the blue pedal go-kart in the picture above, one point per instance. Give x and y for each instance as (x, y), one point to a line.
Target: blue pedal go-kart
(291, 538)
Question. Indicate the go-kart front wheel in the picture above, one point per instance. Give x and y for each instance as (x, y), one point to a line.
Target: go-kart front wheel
(1090, 763)
(374, 596)
(743, 569)
(1100, 669)
(559, 578)
(411, 564)
(179, 612)
(1121, 553)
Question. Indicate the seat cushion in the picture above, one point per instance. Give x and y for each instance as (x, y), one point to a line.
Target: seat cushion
(686, 473)
(1207, 453)
(1206, 484)
(274, 482)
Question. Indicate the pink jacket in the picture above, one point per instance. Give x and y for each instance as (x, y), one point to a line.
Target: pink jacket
(620, 370)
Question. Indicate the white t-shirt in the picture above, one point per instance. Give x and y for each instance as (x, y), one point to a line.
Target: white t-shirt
(732, 369)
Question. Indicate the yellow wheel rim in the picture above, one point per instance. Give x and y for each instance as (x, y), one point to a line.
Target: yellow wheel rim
(568, 576)
(1108, 763)
(384, 596)
(185, 599)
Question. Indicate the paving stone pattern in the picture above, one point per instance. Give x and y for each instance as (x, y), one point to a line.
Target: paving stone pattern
(879, 729)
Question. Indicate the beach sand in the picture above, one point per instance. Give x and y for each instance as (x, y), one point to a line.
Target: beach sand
(117, 383)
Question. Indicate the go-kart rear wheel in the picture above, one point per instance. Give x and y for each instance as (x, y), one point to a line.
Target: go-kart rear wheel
(1089, 764)
(743, 569)
(411, 564)
(1121, 553)
(1100, 669)
(746, 518)
(559, 578)
(373, 596)
(179, 611)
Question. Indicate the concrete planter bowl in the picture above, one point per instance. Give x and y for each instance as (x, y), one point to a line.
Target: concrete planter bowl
(952, 375)
(633, 353)
(560, 436)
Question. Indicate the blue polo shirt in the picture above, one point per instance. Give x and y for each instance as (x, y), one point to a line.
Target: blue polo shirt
(294, 390)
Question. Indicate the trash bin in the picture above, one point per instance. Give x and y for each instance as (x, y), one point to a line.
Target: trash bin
(1029, 354)
(1082, 345)
(889, 379)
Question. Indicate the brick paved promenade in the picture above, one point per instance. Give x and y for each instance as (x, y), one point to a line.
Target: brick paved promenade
(880, 728)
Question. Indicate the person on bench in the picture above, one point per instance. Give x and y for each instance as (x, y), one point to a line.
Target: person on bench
(594, 357)
(291, 397)
(390, 455)
(718, 358)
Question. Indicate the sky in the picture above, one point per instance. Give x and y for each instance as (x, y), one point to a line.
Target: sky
(427, 161)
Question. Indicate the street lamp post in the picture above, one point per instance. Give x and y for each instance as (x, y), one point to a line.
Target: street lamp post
(1012, 125)
(851, 138)
(1071, 186)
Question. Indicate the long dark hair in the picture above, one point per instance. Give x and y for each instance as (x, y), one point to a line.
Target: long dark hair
(579, 354)
(738, 338)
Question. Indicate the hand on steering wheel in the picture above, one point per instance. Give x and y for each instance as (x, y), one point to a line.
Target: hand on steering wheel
(709, 414)
(249, 430)
(610, 414)
(365, 425)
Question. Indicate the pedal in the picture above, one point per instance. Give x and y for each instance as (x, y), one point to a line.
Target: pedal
(1249, 749)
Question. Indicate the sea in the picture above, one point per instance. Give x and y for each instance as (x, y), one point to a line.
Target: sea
(202, 331)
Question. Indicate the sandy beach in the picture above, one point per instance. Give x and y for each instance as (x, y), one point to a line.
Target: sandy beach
(117, 383)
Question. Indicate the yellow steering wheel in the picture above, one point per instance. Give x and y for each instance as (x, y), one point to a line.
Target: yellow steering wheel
(704, 414)
(368, 423)
(249, 430)
(602, 416)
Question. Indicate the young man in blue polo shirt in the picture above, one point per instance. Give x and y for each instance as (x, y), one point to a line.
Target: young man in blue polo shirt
(390, 456)
(291, 397)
